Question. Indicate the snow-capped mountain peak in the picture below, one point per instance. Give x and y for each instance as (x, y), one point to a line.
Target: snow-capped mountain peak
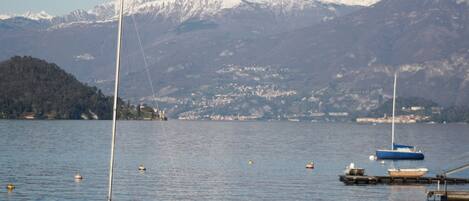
(132, 5)
(351, 2)
(4, 16)
(180, 9)
(186, 9)
(37, 16)
(29, 15)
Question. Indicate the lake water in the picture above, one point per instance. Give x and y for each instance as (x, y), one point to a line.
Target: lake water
(204, 160)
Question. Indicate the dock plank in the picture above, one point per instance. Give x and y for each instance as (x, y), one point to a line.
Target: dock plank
(448, 195)
(366, 180)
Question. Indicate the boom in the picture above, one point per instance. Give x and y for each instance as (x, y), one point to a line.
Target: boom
(455, 170)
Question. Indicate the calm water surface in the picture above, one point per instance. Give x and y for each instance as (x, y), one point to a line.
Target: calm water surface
(202, 160)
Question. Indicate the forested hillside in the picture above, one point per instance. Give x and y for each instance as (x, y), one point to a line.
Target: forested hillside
(34, 89)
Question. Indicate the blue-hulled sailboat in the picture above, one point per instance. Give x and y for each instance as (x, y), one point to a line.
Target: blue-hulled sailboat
(398, 151)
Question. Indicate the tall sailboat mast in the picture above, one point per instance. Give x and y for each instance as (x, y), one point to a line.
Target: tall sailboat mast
(398, 151)
(116, 93)
(393, 110)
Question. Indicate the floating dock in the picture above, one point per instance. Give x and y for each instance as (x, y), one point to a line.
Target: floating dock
(448, 195)
(367, 180)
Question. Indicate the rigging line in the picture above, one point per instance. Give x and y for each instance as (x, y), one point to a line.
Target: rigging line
(155, 103)
(173, 172)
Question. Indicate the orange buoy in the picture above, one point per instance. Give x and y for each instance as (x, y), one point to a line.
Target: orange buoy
(10, 187)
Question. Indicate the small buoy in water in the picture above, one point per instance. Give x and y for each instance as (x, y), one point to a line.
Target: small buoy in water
(250, 162)
(372, 157)
(141, 167)
(78, 177)
(310, 165)
(10, 187)
(382, 162)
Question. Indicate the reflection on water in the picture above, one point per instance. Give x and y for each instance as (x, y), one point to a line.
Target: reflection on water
(408, 192)
(200, 160)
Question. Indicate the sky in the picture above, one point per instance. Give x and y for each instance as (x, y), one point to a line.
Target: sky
(53, 7)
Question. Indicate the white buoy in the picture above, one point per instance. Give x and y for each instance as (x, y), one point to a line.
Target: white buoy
(250, 162)
(310, 165)
(382, 162)
(141, 168)
(78, 177)
(372, 157)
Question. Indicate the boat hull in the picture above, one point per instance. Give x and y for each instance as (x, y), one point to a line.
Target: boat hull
(407, 172)
(399, 155)
(355, 171)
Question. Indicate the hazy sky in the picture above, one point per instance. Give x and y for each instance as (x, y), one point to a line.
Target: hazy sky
(53, 7)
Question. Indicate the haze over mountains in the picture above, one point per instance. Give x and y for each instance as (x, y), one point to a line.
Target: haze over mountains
(271, 59)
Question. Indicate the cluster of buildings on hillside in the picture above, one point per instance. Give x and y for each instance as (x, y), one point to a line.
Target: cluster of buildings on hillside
(406, 119)
(414, 114)
(217, 117)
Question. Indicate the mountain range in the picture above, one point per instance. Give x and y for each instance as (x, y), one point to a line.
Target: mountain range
(271, 59)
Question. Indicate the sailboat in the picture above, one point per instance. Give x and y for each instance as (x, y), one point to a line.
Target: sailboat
(398, 151)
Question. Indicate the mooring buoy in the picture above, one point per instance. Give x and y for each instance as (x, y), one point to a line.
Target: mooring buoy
(141, 168)
(310, 165)
(10, 187)
(78, 177)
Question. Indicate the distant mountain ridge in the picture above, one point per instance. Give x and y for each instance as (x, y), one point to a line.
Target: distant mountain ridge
(182, 9)
(42, 15)
(257, 60)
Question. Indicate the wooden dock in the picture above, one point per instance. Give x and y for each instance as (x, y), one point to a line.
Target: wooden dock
(367, 180)
(448, 195)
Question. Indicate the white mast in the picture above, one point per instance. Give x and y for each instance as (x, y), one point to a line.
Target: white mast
(116, 93)
(393, 109)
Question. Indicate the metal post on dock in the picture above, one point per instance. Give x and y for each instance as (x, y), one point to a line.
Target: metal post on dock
(446, 188)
